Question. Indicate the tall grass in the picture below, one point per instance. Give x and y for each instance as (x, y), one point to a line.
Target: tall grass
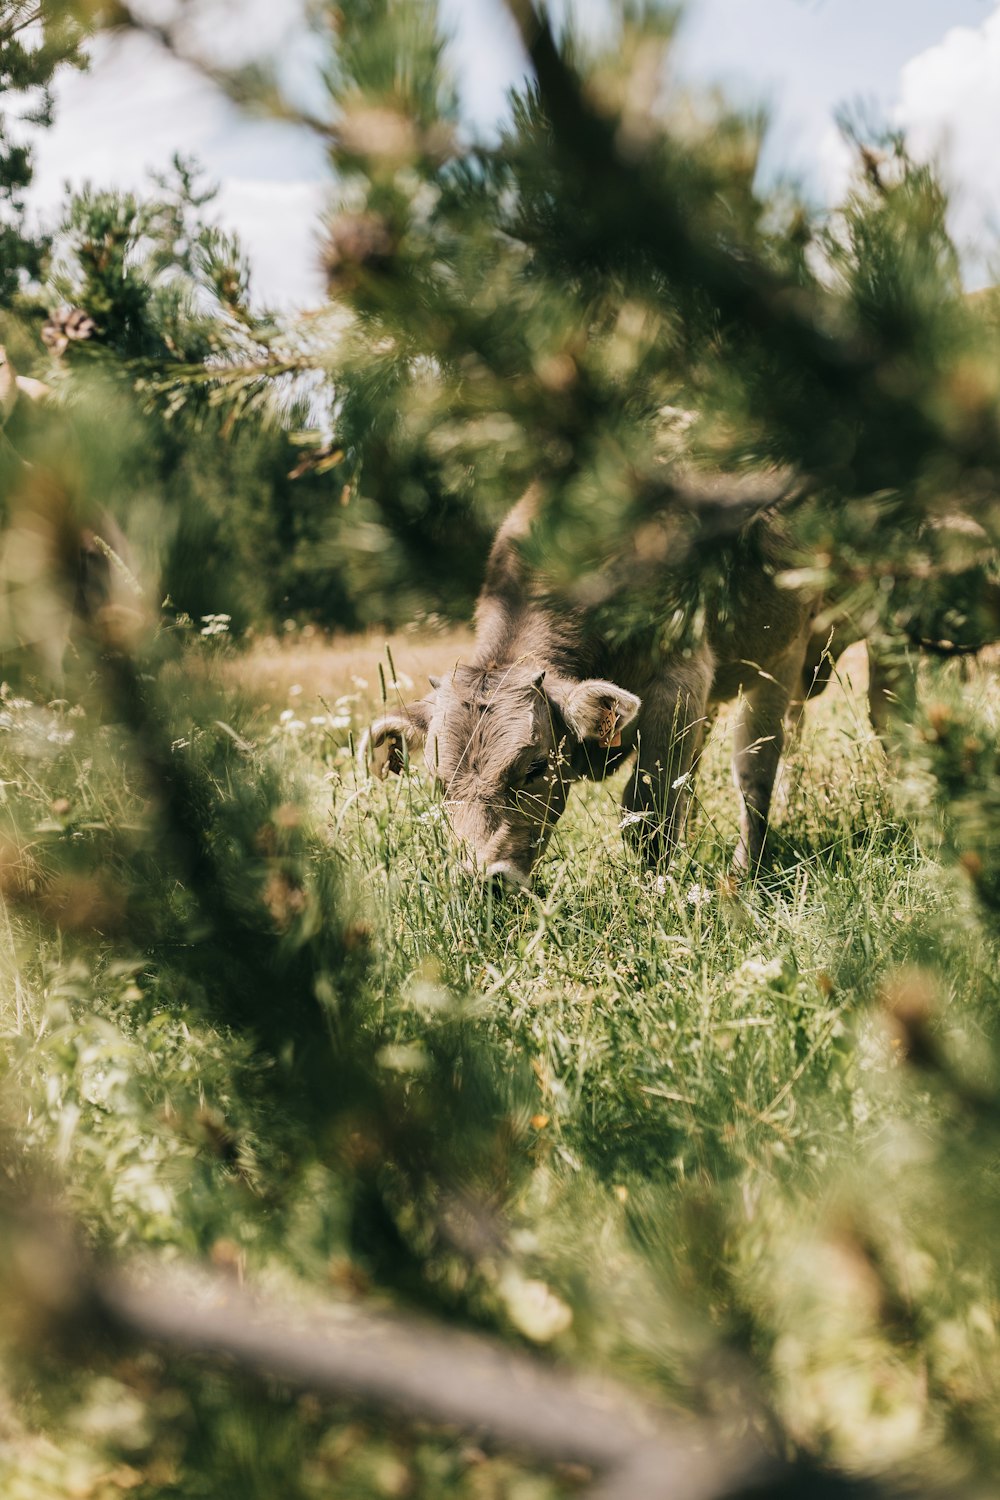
(720, 1176)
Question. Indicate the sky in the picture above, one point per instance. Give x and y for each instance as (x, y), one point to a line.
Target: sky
(929, 66)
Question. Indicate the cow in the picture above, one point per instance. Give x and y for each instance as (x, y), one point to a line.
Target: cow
(547, 699)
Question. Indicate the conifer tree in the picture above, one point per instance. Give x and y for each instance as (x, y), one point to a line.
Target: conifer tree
(604, 303)
(35, 40)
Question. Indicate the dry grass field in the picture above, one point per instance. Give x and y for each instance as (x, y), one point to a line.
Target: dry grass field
(312, 666)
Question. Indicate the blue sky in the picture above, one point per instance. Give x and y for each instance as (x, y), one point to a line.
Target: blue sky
(932, 66)
(810, 56)
(819, 51)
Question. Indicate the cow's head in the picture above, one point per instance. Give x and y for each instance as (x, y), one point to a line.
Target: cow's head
(503, 745)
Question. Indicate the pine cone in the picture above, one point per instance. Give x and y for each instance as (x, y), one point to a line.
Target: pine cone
(65, 326)
(357, 242)
(384, 134)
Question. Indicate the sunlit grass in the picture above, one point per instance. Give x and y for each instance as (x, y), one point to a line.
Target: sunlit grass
(726, 1162)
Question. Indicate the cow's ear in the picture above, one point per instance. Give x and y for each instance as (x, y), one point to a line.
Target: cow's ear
(598, 710)
(393, 740)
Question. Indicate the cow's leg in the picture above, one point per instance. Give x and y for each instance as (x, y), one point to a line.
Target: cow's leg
(758, 740)
(892, 691)
(672, 730)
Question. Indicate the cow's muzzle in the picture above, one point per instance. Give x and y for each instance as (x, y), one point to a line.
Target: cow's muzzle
(506, 875)
(502, 874)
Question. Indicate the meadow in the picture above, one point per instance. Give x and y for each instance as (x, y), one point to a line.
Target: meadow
(730, 1146)
(717, 1164)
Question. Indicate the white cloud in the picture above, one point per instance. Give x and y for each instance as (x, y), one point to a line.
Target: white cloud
(949, 106)
(126, 114)
(136, 106)
(279, 222)
(835, 164)
(929, 66)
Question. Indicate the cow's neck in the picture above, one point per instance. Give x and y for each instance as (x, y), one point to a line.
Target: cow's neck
(514, 624)
(528, 633)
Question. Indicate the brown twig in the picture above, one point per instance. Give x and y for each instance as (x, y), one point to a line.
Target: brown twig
(426, 1371)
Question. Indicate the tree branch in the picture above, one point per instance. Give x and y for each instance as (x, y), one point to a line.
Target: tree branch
(432, 1373)
(393, 1362)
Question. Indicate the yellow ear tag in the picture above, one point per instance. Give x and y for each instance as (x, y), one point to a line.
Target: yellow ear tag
(609, 736)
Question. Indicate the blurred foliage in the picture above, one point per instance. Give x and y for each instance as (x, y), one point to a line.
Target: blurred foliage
(35, 40)
(734, 1145)
(226, 518)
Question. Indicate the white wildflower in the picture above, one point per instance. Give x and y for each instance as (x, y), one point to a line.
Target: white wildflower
(630, 819)
(215, 624)
(760, 968)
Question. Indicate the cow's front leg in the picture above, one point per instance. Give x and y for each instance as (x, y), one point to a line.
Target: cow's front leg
(758, 740)
(657, 794)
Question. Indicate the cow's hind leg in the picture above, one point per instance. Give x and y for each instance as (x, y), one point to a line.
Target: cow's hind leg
(673, 724)
(892, 691)
(758, 740)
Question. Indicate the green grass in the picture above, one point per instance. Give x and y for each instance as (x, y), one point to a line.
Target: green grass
(705, 1139)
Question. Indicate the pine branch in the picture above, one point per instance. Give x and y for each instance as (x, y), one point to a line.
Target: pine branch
(20, 21)
(851, 369)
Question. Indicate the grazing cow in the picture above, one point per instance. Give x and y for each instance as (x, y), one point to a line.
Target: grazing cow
(546, 699)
